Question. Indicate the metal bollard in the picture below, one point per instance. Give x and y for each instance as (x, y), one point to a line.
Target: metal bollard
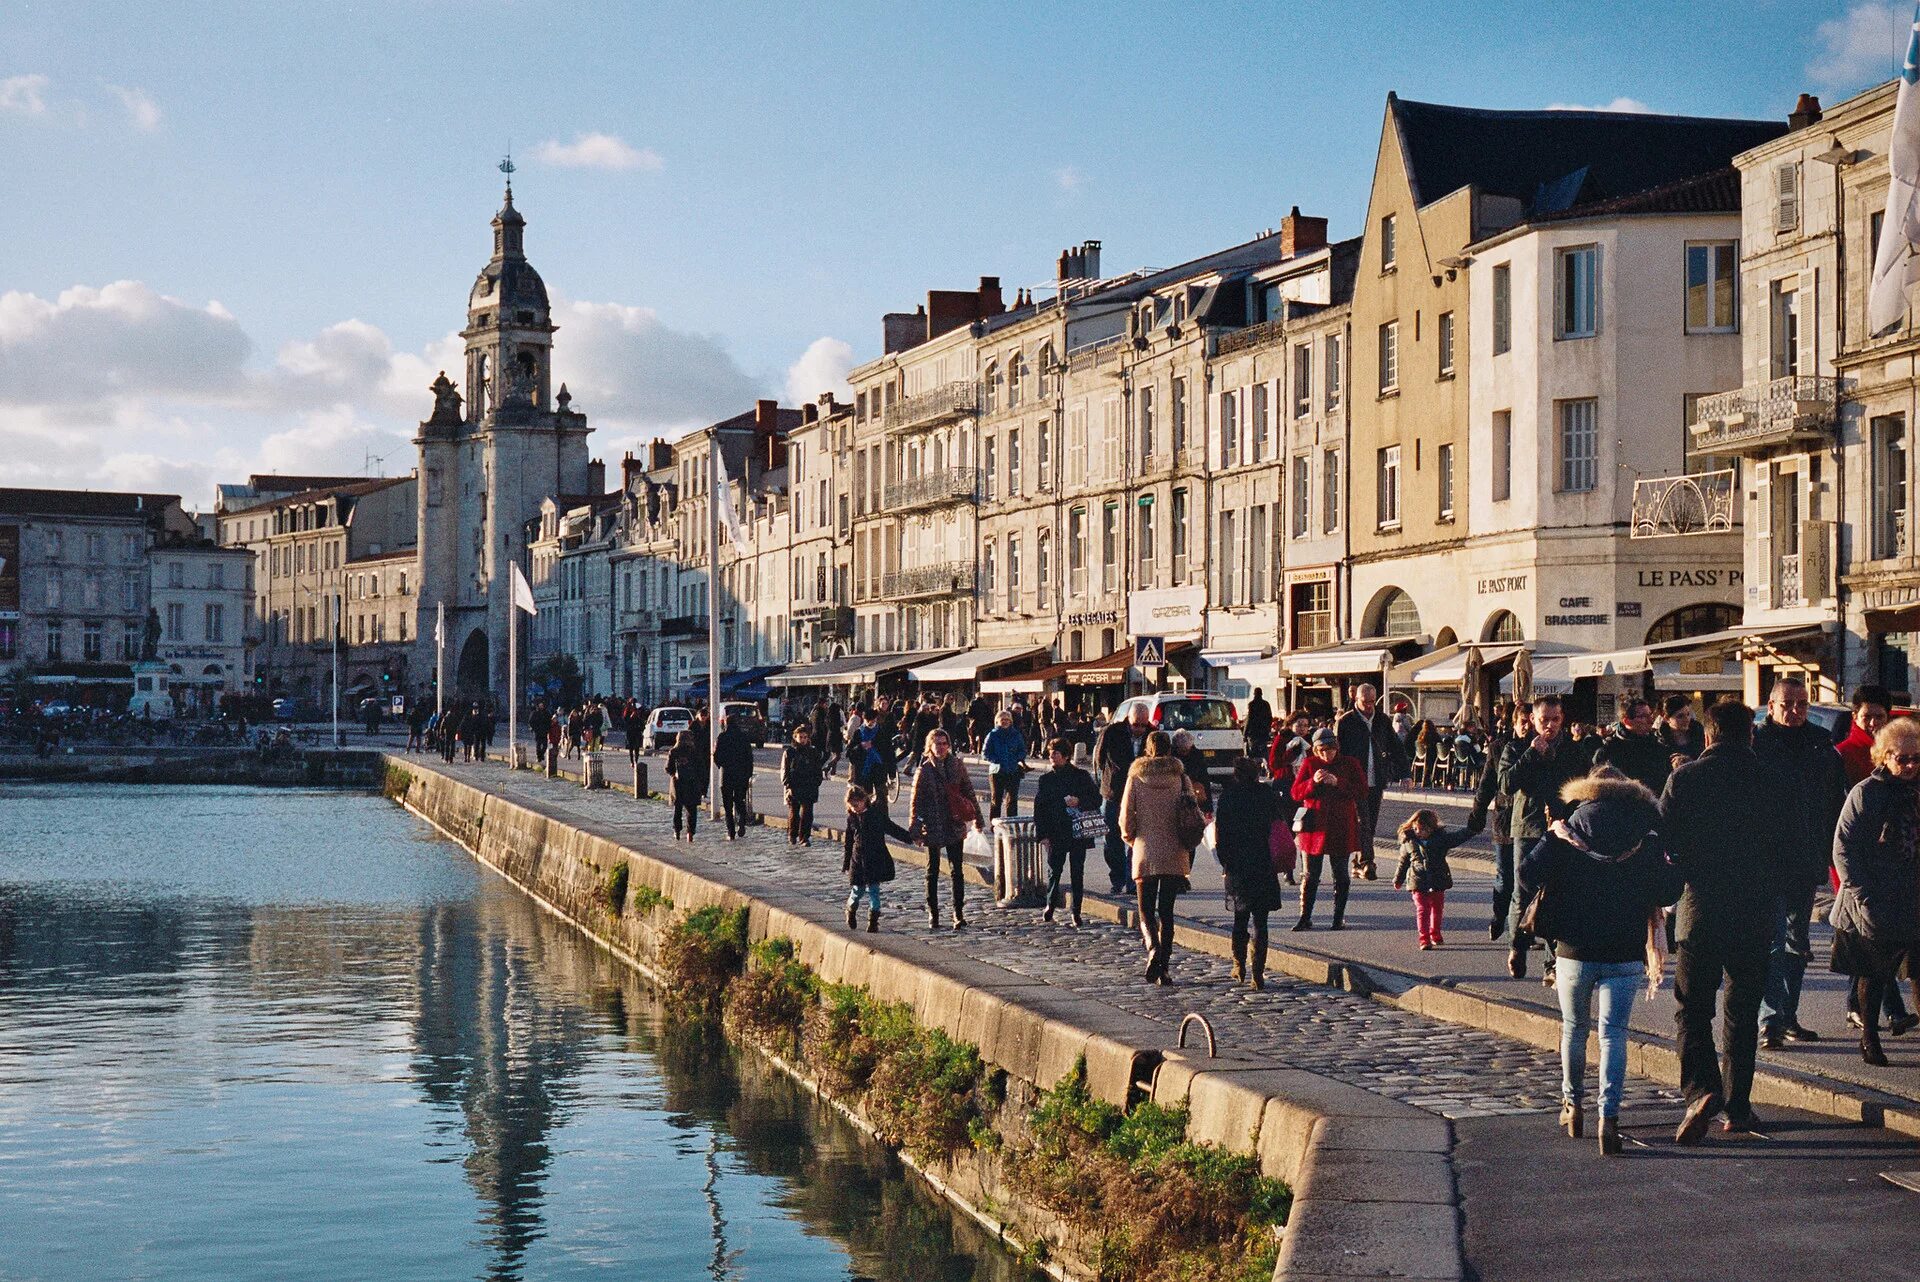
(553, 761)
(592, 771)
(1018, 879)
(640, 780)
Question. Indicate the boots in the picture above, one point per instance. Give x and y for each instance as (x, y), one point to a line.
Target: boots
(1572, 1119)
(852, 907)
(1239, 961)
(959, 895)
(1258, 980)
(1308, 893)
(1610, 1137)
(873, 921)
(1870, 1048)
(1339, 908)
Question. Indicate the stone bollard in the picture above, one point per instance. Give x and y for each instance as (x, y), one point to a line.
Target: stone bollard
(640, 780)
(592, 771)
(517, 758)
(553, 761)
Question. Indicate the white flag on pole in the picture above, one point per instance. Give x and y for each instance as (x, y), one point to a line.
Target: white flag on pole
(440, 626)
(729, 518)
(1897, 266)
(523, 592)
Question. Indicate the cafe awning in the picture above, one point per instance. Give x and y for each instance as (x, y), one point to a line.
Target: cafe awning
(1551, 675)
(852, 669)
(969, 664)
(1642, 658)
(1370, 657)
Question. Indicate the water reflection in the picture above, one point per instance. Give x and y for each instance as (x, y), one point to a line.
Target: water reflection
(208, 1067)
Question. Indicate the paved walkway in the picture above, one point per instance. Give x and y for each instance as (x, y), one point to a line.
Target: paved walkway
(1732, 1203)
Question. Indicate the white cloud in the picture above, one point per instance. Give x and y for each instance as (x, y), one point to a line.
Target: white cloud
(1629, 106)
(597, 151)
(25, 95)
(1069, 178)
(1861, 47)
(622, 364)
(821, 368)
(91, 346)
(142, 110)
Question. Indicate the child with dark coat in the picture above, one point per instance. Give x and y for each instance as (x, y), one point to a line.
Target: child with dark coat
(866, 860)
(688, 772)
(1424, 844)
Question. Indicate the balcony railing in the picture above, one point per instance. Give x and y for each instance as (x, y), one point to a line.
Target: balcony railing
(1787, 585)
(684, 625)
(944, 485)
(949, 578)
(929, 409)
(1701, 503)
(1766, 416)
(1240, 340)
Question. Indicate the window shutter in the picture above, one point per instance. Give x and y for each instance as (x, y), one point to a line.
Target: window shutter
(1809, 300)
(1786, 207)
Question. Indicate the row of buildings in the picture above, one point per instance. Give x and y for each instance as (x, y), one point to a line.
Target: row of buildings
(1592, 386)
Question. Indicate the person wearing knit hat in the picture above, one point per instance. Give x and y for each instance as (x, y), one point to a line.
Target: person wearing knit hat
(1600, 876)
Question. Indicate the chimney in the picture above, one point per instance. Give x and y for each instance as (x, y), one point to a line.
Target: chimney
(766, 417)
(810, 412)
(631, 469)
(990, 303)
(903, 330)
(1090, 260)
(1300, 234)
(597, 477)
(1805, 112)
(659, 455)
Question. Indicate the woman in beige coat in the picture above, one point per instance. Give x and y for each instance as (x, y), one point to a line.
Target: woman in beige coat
(1156, 791)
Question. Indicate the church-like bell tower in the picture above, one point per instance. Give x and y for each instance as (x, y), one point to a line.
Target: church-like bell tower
(486, 466)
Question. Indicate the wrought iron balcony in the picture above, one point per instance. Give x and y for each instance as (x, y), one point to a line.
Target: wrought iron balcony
(1749, 420)
(1239, 340)
(1786, 587)
(1700, 503)
(684, 625)
(943, 485)
(832, 620)
(932, 408)
(949, 578)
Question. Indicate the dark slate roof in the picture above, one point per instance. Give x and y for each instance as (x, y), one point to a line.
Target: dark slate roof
(274, 483)
(101, 503)
(1553, 160)
(1714, 193)
(319, 493)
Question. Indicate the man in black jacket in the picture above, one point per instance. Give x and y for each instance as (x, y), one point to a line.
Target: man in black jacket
(1113, 754)
(1511, 738)
(733, 753)
(1367, 735)
(1541, 769)
(1803, 754)
(1728, 823)
(1633, 749)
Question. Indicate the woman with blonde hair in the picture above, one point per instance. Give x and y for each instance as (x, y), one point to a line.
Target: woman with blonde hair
(1876, 852)
(1161, 824)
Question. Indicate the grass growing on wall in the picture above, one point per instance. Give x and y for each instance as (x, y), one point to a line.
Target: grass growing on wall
(613, 888)
(398, 779)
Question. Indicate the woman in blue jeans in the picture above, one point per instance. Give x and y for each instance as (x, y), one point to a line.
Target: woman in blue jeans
(1603, 878)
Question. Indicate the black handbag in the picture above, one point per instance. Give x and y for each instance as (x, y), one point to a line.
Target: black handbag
(1190, 823)
(1536, 918)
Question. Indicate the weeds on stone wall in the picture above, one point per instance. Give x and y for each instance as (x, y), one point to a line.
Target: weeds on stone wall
(645, 899)
(700, 956)
(612, 891)
(1145, 1203)
(398, 779)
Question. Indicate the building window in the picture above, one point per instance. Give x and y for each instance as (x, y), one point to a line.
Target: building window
(1013, 462)
(1576, 282)
(1579, 442)
(1177, 532)
(1013, 573)
(10, 639)
(1443, 469)
(1226, 555)
(1302, 380)
(1229, 429)
(1333, 380)
(1505, 627)
(992, 382)
(1387, 488)
(1043, 441)
(1389, 251)
(1302, 487)
(1786, 198)
(176, 575)
(1076, 455)
(1502, 309)
(91, 647)
(1889, 486)
(989, 571)
(1783, 311)
(1143, 540)
(1143, 422)
(1502, 477)
(1330, 491)
(1110, 547)
(1043, 565)
(1261, 432)
(216, 624)
(1077, 552)
(1389, 357)
(1312, 609)
(1179, 415)
(1043, 368)
(56, 636)
(1712, 273)
(1257, 554)
(990, 457)
(1445, 344)
(1397, 616)
(1016, 376)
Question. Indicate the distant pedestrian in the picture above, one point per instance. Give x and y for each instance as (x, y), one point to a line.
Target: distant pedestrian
(865, 857)
(1424, 844)
(1876, 849)
(1243, 830)
(942, 810)
(688, 771)
(733, 754)
(1005, 750)
(1065, 793)
(1114, 753)
(802, 767)
(1157, 821)
(1330, 787)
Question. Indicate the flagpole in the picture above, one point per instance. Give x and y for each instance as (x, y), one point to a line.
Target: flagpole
(513, 684)
(440, 659)
(714, 474)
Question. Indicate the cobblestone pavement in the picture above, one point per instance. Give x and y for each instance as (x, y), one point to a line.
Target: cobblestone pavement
(1446, 1069)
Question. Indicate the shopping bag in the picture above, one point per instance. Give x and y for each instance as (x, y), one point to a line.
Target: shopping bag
(978, 846)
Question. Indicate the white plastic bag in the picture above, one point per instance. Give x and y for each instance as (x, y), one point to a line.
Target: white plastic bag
(978, 846)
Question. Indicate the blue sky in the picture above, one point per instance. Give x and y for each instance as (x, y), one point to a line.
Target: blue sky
(240, 235)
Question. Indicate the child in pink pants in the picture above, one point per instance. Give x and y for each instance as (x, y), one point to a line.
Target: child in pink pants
(1423, 856)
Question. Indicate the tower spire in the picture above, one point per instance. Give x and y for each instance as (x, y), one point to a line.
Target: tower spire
(507, 168)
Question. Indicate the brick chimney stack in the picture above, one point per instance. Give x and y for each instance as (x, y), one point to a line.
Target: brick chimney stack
(631, 470)
(1806, 112)
(1300, 234)
(1082, 263)
(990, 304)
(597, 477)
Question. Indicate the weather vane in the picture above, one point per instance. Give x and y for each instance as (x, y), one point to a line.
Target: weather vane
(506, 167)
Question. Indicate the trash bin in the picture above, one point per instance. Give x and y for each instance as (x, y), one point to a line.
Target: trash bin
(1019, 873)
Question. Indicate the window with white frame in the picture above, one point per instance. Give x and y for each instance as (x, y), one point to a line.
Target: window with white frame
(1330, 490)
(1444, 342)
(1177, 534)
(1111, 438)
(1146, 552)
(1013, 461)
(1712, 275)
(1302, 489)
(1230, 429)
(1016, 377)
(1110, 546)
(1335, 345)
(1257, 559)
(1043, 443)
(1889, 482)
(1501, 474)
(991, 388)
(1013, 573)
(1443, 473)
(1302, 379)
(1143, 420)
(1223, 556)
(1043, 565)
(1786, 197)
(1389, 357)
(1389, 249)
(990, 463)
(1387, 488)
(1179, 414)
(1077, 553)
(1578, 439)
(1577, 292)
(1502, 309)
(989, 570)
(1262, 433)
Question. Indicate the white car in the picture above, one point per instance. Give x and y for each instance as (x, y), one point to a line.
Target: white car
(1210, 719)
(662, 725)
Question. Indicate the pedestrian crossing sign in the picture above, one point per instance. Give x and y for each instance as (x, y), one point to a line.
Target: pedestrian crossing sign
(1149, 652)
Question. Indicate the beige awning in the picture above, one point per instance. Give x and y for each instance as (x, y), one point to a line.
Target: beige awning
(1642, 658)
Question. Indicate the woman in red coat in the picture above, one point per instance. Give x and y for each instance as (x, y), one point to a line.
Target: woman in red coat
(1330, 789)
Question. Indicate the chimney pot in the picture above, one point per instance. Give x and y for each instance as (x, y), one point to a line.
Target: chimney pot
(1806, 111)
